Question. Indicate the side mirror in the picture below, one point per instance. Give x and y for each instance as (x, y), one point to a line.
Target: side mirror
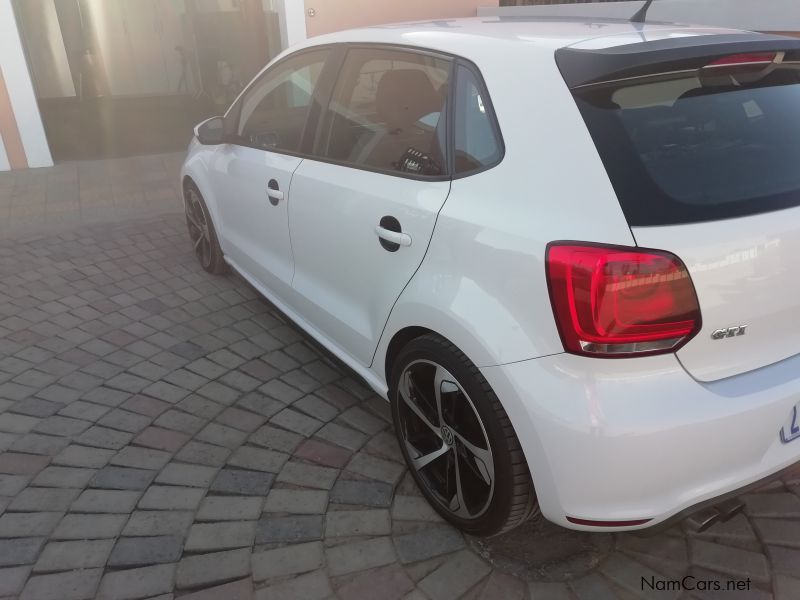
(211, 131)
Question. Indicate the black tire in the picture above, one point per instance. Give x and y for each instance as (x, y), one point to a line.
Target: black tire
(202, 232)
(511, 499)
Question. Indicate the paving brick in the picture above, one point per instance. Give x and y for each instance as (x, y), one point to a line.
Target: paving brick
(141, 458)
(204, 537)
(159, 497)
(84, 410)
(221, 435)
(83, 456)
(277, 439)
(359, 556)
(296, 501)
(203, 454)
(342, 436)
(43, 499)
(413, 508)
(360, 419)
(296, 421)
(12, 579)
(280, 391)
(375, 468)
(427, 543)
(346, 523)
(215, 567)
(241, 482)
(780, 532)
(89, 526)
(317, 408)
(786, 587)
(105, 501)
(34, 407)
(158, 522)
(629, 575)
(12, 463)
(214, 390)
(236, 590)
(322, 453)
(260, 404)
(103, 437)
(187, 475)
(180, 421)
(12, 423)
(393, 582)
(28, 524)
(122, 478)
(143, 582)
(258, 459)
(308, 475)
(455, 577)
(200, 407)
(20, 551)
(730, 560)
(161, 439)
(106, 396)
(781, 505)
(292, 529)
(140, 551)
(290, 560)
(243, 420)
(229, 508)
(124, 420)
(311, 586)
(11, 485)
(72, 585)
(363, 493)
(78, 554)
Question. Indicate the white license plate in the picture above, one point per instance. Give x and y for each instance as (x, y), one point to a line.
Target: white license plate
(791, 431)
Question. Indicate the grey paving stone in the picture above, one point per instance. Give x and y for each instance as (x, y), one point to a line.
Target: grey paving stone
(317, 408)
(72, 585)
(107, 396)
(36, 408)
(243, 420)
(20, 551)
(427, 543)
(141, 458)
(780, 532)
(140, 551)
(235, 590)
(342, 436)
(360, 419)
(229, 508)
(363, 493)
(375, 468)
(730, 560)
(258, 459)
(593, 587)
(296, 501)
(241, 482)
(786, 588)
(391, 580)
(159, 497)
(12, 463)
(158, 522)
(311, 586)
(83, 456)
(277, 439)
(14, 525)
(260, 404)
(455, 577)
(84, 410)
(161, 439)
(89, 526)
(780, 505)
(345, 523)
(33, 443)
(180, 421)
(143, 582)
(628, 574)
(323, 453)
(122, 478)
(296, 421)
(205, 537)
(78, 554)
(203, 454)
(308, 475)
(124, 420)
(289, 560)
(221, 435)
(413, 508)
(187, 475)
(219, 393)
(11, 485)
(215, 567)
(12, 579)
(106, 501)
(549, 590)
(280, 391)
(292, 529)
(103, 437)
(44, 499)
(359, 556)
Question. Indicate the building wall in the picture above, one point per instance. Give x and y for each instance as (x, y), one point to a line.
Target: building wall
(336, 15)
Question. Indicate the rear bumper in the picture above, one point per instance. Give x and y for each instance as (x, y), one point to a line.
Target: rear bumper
(639, 439)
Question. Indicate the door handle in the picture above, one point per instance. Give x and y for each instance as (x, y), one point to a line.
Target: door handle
(393, 237)
(274, 192)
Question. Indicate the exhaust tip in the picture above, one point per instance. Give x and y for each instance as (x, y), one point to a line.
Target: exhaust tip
(718, 513)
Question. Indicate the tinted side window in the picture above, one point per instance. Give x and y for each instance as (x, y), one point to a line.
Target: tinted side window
(477, 142)
(275, 108)
(387, 113)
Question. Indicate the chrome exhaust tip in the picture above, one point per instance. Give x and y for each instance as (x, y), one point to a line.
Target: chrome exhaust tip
(718, 513)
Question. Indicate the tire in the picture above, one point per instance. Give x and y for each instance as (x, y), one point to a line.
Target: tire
(492, 500)
(202, 232)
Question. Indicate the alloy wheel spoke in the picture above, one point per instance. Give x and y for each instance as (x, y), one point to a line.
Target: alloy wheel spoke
(483, 462)
(457, 503)
(425, 459)
(405, 393)
(442, 379)
(192, 221)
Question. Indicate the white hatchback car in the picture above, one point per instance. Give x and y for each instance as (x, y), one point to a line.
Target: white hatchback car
(565, 251)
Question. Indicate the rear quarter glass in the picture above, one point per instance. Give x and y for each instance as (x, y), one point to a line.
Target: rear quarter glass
(699, 144)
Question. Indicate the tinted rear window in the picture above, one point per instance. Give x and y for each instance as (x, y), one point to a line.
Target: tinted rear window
(681, 149)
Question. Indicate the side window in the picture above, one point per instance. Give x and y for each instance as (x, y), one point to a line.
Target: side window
(477, 142)
(274, 109)
(388, 113)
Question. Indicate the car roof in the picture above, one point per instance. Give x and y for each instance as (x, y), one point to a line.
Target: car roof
(537, 33)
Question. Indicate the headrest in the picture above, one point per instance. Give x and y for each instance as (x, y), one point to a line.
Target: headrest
(404, 96)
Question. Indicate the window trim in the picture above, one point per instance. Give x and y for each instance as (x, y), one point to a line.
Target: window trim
(447, 108)
(490, 112)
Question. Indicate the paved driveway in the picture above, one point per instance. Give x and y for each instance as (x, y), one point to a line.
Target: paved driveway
(165, 433)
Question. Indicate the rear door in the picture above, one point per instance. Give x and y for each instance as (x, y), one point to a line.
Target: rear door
(363, 209)
(705, 159)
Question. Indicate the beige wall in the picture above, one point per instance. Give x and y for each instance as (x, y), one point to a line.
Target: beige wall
(335, 15)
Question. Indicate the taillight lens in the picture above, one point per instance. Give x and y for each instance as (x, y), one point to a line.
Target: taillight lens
(614, 302)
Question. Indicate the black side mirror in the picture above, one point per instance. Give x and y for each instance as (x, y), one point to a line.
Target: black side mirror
(211, 131)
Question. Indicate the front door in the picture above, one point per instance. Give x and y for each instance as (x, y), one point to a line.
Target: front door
(362, 214)
(256, 170)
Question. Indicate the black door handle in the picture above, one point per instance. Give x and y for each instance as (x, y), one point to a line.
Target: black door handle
(274, 192)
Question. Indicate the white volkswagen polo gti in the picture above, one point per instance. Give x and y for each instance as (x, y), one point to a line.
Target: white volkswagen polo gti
(567, 252)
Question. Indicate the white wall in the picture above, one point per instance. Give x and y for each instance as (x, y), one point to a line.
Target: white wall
(20, 90)
(758, 15)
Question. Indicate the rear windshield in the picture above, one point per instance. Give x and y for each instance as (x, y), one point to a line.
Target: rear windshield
(685, 148)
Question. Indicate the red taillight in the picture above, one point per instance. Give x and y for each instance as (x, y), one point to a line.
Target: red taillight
(756, 58)
(612, 301)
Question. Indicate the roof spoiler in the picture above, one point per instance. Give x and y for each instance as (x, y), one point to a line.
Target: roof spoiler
(581, 67)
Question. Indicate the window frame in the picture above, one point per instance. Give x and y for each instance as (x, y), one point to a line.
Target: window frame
(490, 112)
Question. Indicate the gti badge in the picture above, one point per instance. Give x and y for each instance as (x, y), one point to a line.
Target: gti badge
(729, 332)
